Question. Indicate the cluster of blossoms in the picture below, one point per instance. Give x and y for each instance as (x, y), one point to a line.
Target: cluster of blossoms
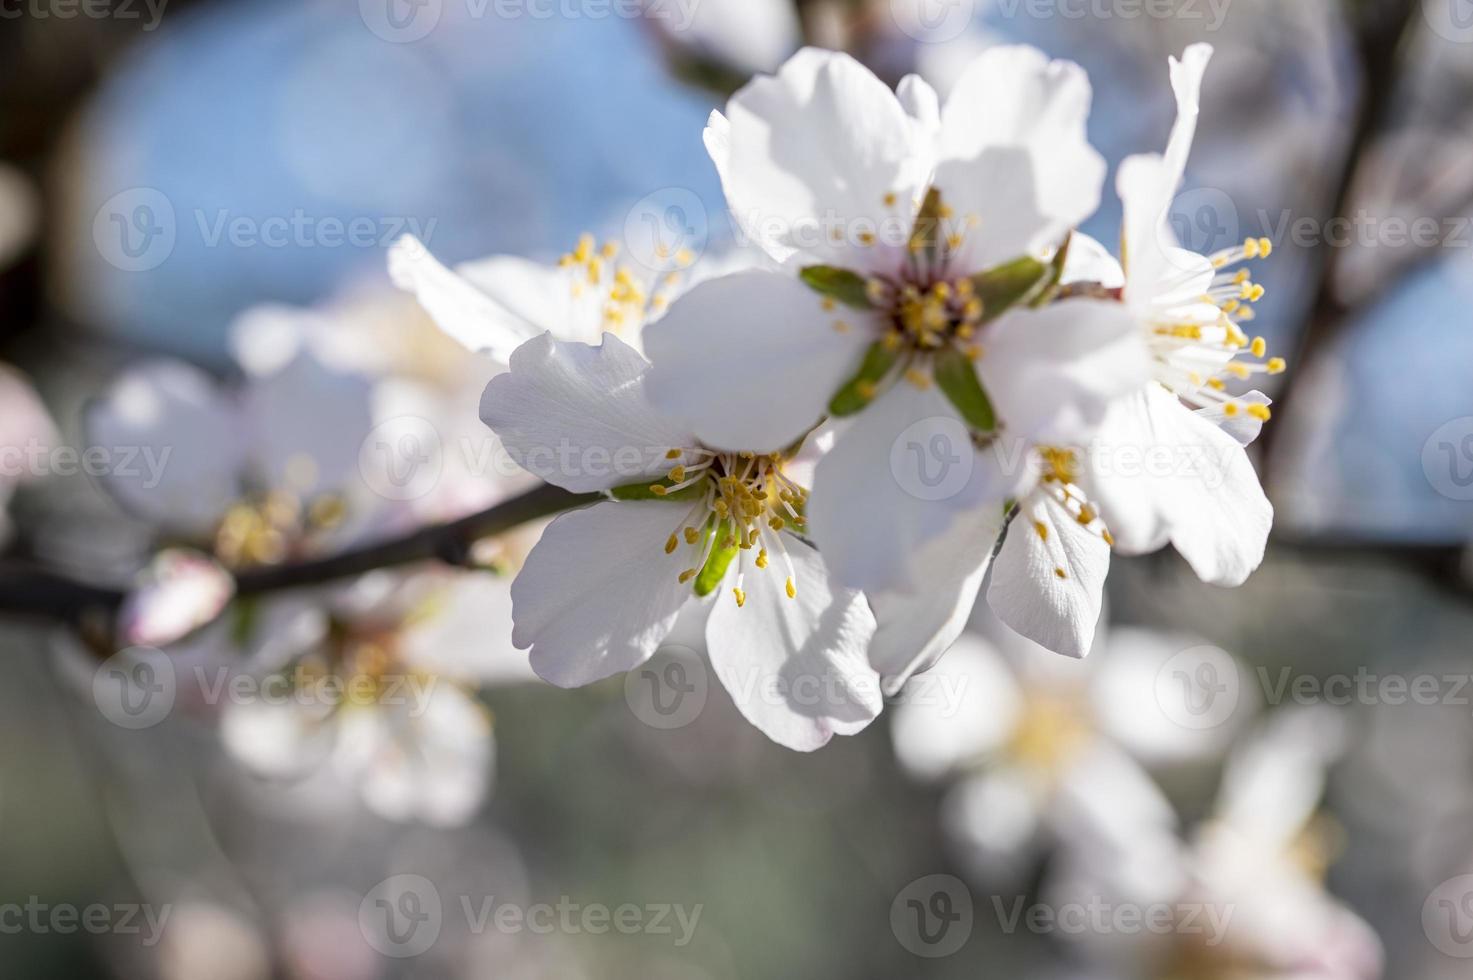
(766, 438)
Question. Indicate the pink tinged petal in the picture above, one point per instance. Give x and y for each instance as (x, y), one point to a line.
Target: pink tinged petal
(796, 667)
(599, 593)
(750, 361)
(187, 439)
(955, 714)
(179, 592)
(457, 305)
(816, 149)
(1048, 580)
(897, 478)
(1173, 469)
(916, 629)
(1013, 96)
(579, 417)
(1052, 372)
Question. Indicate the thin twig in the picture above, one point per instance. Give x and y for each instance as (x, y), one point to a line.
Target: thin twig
(51, 595)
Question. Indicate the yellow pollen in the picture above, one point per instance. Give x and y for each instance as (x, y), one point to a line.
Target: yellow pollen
(1086, 515)
(1109, 538)
(777, 523)
(1230, 409)
(1260, 347)
(1277, 365)
(792, 589)
(741, 597)
(762, 558)
(671, 545)
(687, 575)
(841, 326)
(1260, 412)
(1061, 573)
(1265, 248)
(672, 454)
(658, 489)
(829, 304)
(1042, 530)
(918, 378)
(867, 390)
(692, 535)
(677, 474)
(866, 238)
(890, 200)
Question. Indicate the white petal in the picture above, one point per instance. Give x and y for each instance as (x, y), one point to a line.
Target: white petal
(190, 443)
(458, 306)
(1242, 426)
(1090, 261)
(896, 478)
(796, 668)
(916, 628)
(578, 416)
(539, 296)
(1013, 96)
(1186, 83)
(950, 717)
(432, 762)
(921, 102)
(816, 149)
(1052, 372)
(750, 361)
(599, 593)
(1049, 578)
(466, 633)
(307, 425)
(1170, 468)
(278, 738)
(995, 199)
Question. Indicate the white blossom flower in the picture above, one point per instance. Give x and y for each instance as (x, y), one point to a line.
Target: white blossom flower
(1168, 464)
(916, 233)
(1038, 751)
(1252, 876)
(689, 528)
(495, 305)
(374, 686)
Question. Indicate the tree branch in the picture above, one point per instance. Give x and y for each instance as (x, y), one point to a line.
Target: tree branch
(51, 595)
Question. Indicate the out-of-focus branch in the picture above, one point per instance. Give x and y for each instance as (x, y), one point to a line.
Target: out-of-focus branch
(50, 595)
(1380, 31)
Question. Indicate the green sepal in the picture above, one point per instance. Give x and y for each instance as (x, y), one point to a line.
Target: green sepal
(851, 398)
(1003, 287)
(714, 571)
(849, 288)
(645, 491)
(926, 234)
(1050, 286)
(956, 376)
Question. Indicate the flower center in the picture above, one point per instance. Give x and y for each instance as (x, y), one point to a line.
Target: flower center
(268, 528)
(743, 503)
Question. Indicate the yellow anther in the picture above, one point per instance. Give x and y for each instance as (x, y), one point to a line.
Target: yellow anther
(1231, 306)
(954, 241)
(792, 589)
(672, 454)
(741, 597)
(1260, 412)
(762, 558)
(687, 575)
(659, 489)
(1216, 384)
(1230, 409)
(1257, 294)
(1042, 529)
(973, 352)
(1061, 573)
(829, 304)
(866, 238)
(1260, 347)
(1240, 371)
(692, 535)
(584, 251)
(684, 257)
(1087, 515)
(1265, 248)
(919, 378)
(777, 523)
(1250, 248)
(890, 199)
(1277, 365)
(841, 326)
(867, 390)
(1109, 538)
(677, 474)
(671, 544)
